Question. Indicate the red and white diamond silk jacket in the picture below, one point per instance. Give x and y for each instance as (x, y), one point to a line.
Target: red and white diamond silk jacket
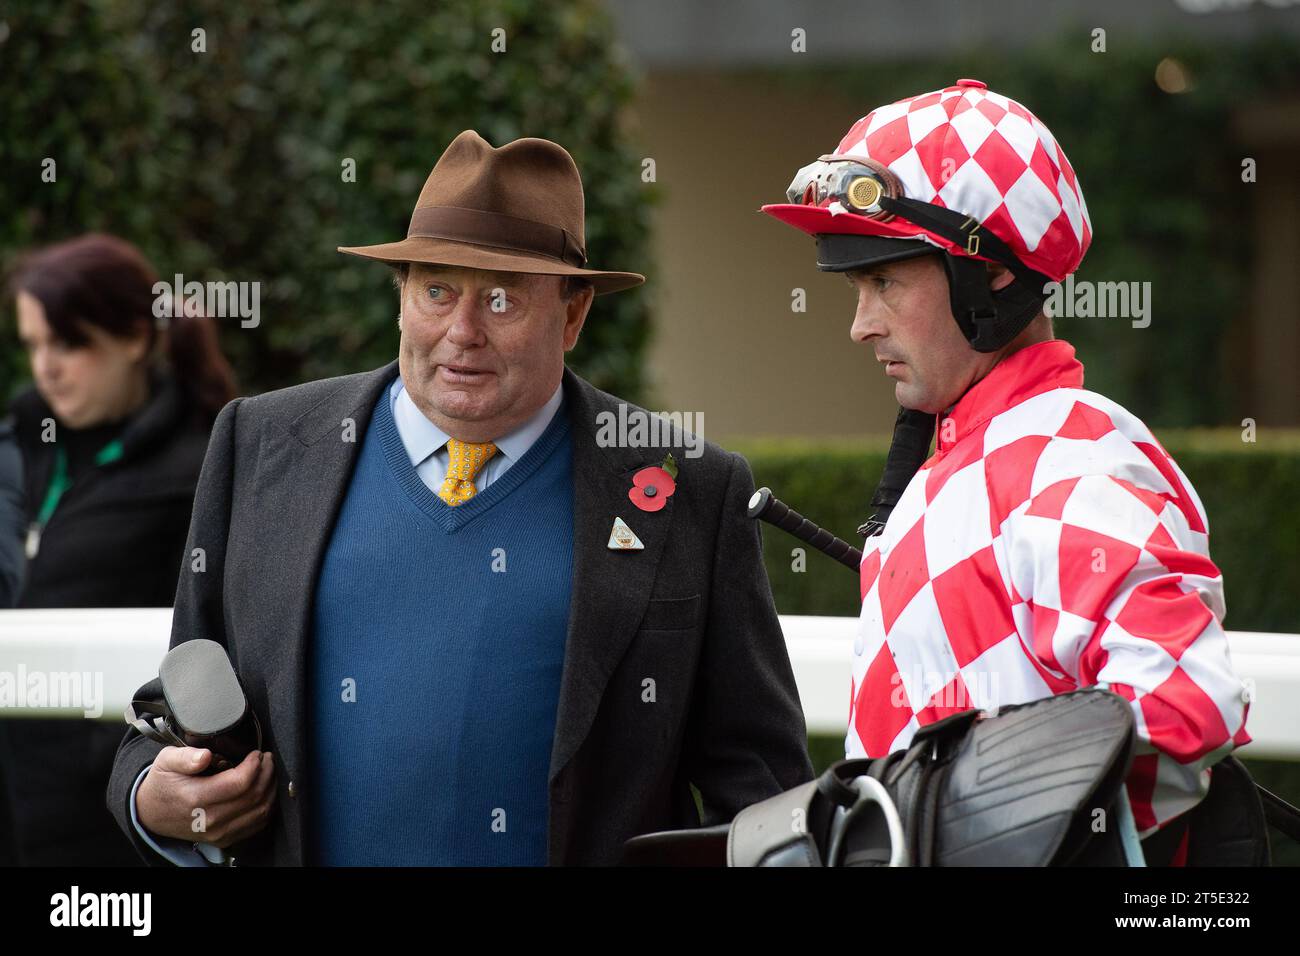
(1050, 544)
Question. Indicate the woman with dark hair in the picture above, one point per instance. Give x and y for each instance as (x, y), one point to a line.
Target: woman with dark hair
(113, 434)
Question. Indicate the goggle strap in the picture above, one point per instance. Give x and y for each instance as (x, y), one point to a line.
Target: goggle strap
(964, 231)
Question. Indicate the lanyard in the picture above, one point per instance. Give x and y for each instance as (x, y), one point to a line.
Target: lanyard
(59, 483)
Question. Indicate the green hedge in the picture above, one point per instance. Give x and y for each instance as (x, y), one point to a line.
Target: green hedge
(228, 164)
(1248, 489)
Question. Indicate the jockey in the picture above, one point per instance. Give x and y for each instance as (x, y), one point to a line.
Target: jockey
(1050, 542)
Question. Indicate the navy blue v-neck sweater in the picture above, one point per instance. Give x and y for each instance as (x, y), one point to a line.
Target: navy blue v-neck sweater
(434, 661)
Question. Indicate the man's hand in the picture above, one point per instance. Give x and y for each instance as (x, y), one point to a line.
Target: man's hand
(235, 803)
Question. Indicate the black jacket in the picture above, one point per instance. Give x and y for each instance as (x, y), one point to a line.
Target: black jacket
(13, 517)
(693, 609)
(116, 539)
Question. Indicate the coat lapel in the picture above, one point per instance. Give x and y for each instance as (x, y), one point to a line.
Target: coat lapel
(610, 588)
(302, 479)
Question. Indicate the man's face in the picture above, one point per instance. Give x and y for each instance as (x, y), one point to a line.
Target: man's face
(904, 315)
(481, 352)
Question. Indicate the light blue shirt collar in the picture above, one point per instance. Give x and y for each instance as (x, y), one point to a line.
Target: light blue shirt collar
(423, 438)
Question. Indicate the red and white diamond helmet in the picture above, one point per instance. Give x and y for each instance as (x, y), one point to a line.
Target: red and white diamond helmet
(973, 151)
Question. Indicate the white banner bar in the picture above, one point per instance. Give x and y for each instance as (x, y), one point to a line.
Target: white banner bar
(74, 652)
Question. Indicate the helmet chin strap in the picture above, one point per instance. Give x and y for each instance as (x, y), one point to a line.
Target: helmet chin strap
(989, 319)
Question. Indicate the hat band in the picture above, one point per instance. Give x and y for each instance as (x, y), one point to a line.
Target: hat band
(496, 229)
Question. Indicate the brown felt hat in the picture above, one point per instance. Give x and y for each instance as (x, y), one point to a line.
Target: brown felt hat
(514, 209)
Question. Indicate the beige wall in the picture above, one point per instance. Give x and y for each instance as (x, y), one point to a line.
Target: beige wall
(726, 342)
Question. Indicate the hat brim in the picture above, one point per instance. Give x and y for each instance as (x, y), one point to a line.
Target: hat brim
(840, 252)
(818, 219)
(447, 252)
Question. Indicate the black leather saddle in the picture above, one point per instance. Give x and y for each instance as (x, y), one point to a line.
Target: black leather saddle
(1036, 785)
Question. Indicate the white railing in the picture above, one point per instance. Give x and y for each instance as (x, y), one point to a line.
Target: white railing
(122, 648)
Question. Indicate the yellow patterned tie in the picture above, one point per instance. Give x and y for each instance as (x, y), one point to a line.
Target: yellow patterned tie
(466, 460)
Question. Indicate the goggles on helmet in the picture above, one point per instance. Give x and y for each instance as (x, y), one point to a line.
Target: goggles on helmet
(856, 182)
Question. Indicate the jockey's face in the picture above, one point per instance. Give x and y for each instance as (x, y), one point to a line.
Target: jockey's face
(904, 315)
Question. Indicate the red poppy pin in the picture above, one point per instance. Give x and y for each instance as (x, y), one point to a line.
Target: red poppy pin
(653, 486)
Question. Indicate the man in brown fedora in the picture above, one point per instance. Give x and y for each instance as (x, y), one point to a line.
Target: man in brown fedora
(474, 631)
